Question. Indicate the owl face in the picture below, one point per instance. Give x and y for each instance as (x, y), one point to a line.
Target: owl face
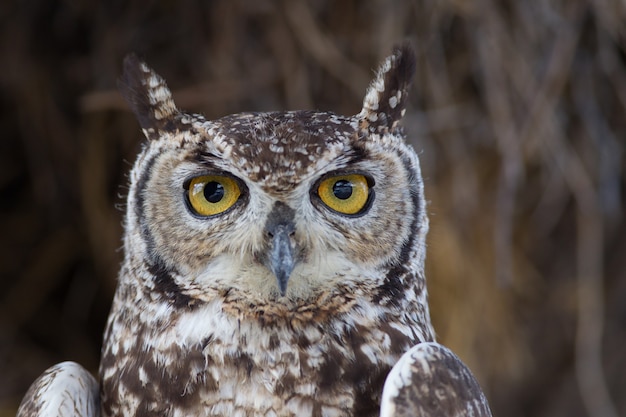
(273, 207)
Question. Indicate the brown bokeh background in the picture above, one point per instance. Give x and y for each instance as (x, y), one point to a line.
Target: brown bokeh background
(518, 111)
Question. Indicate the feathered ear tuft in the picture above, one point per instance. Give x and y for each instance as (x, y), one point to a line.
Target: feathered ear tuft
(148, 96)
(386, 98)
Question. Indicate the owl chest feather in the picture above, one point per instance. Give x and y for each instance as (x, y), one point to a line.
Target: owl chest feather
(210, 362)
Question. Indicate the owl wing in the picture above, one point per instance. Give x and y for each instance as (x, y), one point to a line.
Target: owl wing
(64, 390)
(430, 380)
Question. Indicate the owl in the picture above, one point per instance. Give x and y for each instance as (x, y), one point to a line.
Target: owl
(274, 266)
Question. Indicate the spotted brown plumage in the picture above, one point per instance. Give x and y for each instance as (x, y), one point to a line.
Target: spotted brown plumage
(276, 303)
(430, 380)
(64, 390)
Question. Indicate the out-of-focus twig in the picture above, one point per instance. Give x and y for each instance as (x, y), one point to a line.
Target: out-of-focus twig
(590, 278)
(38, 279)
(322, 48)
(590, 246)
(222, 91)
(503, 124)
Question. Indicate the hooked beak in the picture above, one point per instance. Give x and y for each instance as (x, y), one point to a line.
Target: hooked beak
(281, 254)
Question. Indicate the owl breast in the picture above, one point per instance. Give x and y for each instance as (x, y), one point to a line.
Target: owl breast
(215, 360)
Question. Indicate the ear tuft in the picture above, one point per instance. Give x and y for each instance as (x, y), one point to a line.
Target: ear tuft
(386, 97)
(147, 95)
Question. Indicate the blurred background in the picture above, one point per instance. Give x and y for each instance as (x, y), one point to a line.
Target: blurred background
(518, 111)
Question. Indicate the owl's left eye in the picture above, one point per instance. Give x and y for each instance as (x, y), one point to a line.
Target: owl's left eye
(345, 194)
(209, 195)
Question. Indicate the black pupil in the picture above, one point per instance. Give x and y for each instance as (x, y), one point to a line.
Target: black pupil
(342, 189)
(213, 192)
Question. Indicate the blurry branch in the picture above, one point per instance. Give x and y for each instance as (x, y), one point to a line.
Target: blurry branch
(40, 277)
(590, 247)
(540, 121)
(542, 98)
(593, 206)
(503, 124)
(541, 125)
(590, 276)
(610, 15)
(102, 100)
(222, 91)
(542, 107)
(590, 235)
(294, 76)
(322, 48)
(597, 124)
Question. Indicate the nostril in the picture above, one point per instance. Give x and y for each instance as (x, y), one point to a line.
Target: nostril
(285, 230)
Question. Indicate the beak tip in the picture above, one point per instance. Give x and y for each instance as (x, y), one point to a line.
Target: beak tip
(282, 283)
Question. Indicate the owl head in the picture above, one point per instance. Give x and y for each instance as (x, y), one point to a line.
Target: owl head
(277, 207)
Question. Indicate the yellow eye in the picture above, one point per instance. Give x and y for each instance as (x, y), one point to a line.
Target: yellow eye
(212, 194)
(347, 194)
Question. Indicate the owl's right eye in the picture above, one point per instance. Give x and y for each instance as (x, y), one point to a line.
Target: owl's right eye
(209, 195)
(345, 193)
